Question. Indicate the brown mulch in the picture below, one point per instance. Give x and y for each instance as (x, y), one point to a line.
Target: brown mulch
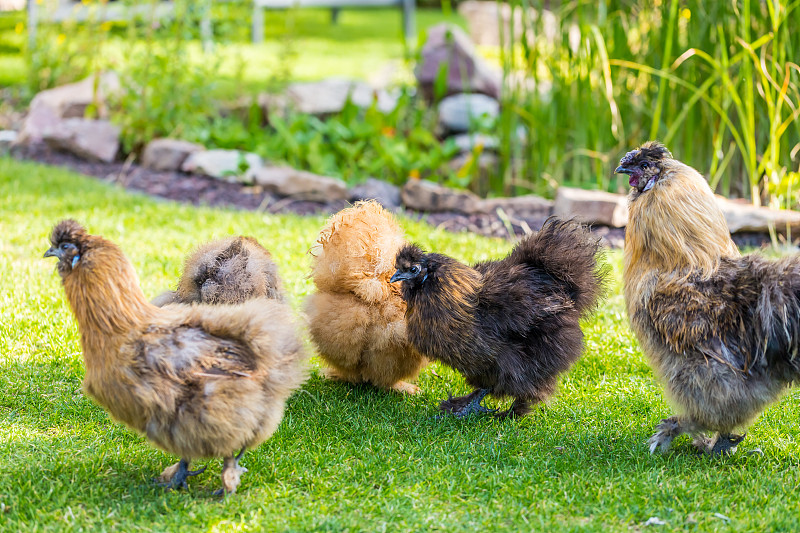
(204, 190)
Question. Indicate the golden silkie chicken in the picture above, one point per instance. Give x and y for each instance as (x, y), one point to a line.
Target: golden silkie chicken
(226, 271)
(511, 326)
(721, 331)
(356, 317)
(198, 381)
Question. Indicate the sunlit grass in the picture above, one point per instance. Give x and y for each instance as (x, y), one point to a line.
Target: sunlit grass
(345, 458)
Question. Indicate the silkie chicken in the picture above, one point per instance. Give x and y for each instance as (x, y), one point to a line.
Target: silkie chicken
(198, 381)
(226, 271)
(509, 326)
(356, 317)
(720, 331)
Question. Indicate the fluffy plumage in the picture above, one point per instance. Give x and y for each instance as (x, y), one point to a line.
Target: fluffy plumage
(721, 331)
(226, 271)
(510, 326)
(356, 317)
(198, 381)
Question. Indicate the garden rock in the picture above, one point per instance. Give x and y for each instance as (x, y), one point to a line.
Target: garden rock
(7, 138)
(423, 195)
(745, 217)
(448, 45)
(384, 193)
(592, 207)
(483, 22)
(228, 165)
(327, 97)
(528, 206)
(49, 107)
(168, 154)
(299, 184)
(466, 142)
(94, 140)
(458, 112)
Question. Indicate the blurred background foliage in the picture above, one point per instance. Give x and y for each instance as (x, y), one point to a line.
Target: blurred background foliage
(584, 81)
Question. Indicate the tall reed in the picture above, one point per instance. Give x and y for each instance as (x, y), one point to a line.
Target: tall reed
(716, 81)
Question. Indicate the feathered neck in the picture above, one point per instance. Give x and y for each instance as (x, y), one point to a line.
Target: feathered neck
(449, 293)
(676, 226)
(104, 294)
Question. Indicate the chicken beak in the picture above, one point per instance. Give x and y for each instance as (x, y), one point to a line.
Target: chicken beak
(622, 170)
(54, 252)
(399, 276)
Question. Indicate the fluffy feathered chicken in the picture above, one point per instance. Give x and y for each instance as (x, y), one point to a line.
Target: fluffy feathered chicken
(721, 331)
(198, 381)
(510, 326)
(226, 271)
(356, 317)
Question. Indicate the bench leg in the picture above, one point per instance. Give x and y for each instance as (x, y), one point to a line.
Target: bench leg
(258, 24)
(409, 31)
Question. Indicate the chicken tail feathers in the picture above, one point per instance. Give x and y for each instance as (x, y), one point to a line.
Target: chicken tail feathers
(570, 254)
(778, 311)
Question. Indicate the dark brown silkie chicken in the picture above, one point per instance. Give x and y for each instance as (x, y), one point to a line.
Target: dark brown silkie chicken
(197, 380)
(510, 326)
(226, 271)
(721, 331)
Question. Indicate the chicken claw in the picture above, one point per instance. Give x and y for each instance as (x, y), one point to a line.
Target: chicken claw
(462, 406)
(231, 472)
(174, 477)
(405, 387)
(668, 429)
(721, 444)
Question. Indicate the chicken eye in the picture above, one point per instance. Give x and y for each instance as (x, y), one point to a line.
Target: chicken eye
(645, 165)
(415, 269)
(64, 246)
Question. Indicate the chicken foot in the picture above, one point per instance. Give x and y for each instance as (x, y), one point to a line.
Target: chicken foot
(174, 477)
(462, 406)
(667, 430)
(520, 407)
(231, 473)
(720, 444)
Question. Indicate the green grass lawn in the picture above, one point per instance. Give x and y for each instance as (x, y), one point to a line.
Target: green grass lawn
(345, 458)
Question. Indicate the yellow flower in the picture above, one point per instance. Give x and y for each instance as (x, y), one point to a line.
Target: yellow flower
(686, 13)
(19, 28)
(105, 26)
(61, 38)
(413, 174)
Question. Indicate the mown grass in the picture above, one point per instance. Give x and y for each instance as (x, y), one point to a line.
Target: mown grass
(345, 458)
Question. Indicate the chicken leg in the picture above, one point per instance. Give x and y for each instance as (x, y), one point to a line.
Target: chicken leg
(174, 477)
(462, 406)
(231, 473)
(721, 444)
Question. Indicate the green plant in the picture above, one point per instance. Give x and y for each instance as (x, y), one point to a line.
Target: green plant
(715, 80)
(165, 92)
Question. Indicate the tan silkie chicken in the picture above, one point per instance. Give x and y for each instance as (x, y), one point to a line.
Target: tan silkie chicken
(226, 271)
(198, 381)
(356, 317)
(720, 330)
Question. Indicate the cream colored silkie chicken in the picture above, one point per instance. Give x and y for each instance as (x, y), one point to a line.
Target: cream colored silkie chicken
(356, 317)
